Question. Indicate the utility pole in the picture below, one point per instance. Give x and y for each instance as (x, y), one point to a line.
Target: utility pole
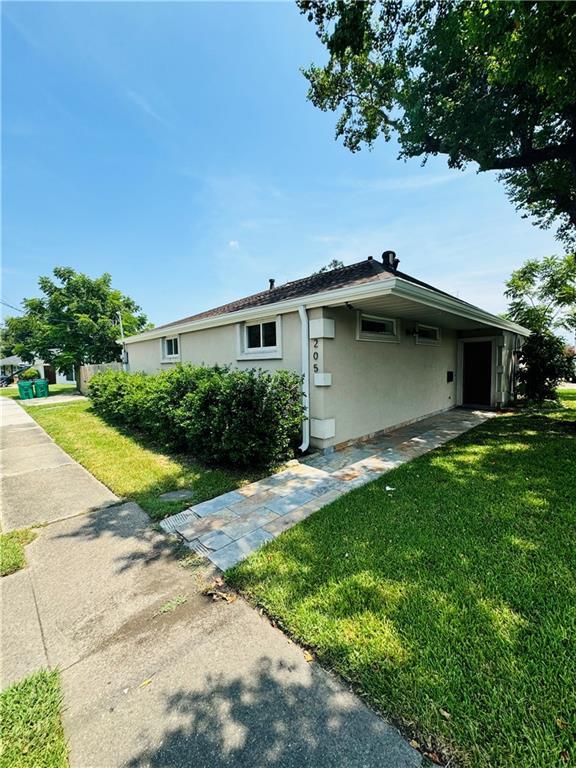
(124, 364)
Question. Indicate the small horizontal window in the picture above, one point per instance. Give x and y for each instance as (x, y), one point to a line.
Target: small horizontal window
(261, 336)
(260, 341)
(171, 347)
(375, 328)
(371, 325)
(427, 334)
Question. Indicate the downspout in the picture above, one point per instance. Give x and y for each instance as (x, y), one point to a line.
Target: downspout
(305, 354)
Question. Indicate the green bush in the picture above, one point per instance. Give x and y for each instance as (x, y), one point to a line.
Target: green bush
(29, 373)
(242, 418)
(544, 362)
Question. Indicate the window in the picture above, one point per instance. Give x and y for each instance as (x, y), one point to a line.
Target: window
(376, 328)
(171, 347)
(427, 334)
(261, 336)
(260, 340)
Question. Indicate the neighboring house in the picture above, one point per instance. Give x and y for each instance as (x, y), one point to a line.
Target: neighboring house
(12, 364)
(377, 348)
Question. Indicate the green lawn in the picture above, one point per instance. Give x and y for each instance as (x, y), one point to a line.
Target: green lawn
(12, 544)
(54, 389)
(130, 466)
(32, 733)
(450, 602)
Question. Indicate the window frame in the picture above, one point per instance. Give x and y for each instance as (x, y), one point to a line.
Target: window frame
(387, 338)
(259, 353)
(164, 343)
(428, 342)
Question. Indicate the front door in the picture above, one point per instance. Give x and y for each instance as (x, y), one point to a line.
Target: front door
(477, 373)
(50, 374)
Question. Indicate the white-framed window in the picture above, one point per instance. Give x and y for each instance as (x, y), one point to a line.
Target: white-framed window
(260, 335)
(427, 334)
(376, 328)
(171, 348)
(260, 339)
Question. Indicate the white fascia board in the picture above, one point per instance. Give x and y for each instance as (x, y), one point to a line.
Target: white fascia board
(324, 299)
(407, 290)
(393, 285)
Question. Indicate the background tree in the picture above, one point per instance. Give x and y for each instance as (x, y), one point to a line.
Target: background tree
(542, 294)
(334, 264)
(487, 82)
(543, 298)
(76, 321)
(545, 361)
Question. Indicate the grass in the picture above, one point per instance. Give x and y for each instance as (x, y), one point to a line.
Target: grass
(32, 733)
(12, 557)
(132, 467)
(54, 389)
(451, 602)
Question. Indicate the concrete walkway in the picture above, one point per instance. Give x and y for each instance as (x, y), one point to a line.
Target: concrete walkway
(228, 528)
(155, 673)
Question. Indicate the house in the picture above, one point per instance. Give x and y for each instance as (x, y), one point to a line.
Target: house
(377, 348)
(11, 365)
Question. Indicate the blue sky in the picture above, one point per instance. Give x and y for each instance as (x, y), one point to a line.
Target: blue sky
(172, 145)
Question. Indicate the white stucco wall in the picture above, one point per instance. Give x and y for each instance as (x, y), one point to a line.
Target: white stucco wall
(218, 345)
(361, 387)
(377, 385)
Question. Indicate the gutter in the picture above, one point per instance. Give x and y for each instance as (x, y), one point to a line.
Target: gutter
(395, 286)
(305, 362)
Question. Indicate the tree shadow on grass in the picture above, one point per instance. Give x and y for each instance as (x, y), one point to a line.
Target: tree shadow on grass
(274, 715)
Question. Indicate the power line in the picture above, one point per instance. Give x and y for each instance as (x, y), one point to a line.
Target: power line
(11, 306)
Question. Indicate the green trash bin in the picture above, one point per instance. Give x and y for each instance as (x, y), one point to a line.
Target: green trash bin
(25, 390)
(41, 387)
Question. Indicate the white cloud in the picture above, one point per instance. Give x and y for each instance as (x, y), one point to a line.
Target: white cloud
(234, 244)
(144, 106)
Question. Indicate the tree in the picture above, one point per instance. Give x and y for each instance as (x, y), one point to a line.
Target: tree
(334, 264)
(77, 321)
(542, 294)
(487, 82)
(543, 298)
(544, 363)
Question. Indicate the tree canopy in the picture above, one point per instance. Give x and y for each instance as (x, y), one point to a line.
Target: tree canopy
(76, 321)
(488, 82)
(542, 294)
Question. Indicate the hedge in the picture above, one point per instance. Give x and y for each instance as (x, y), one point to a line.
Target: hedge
(222, 416)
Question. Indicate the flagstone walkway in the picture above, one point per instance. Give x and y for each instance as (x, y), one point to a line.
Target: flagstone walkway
(228, 528)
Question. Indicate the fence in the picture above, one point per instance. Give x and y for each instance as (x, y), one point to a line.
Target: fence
(87, 371)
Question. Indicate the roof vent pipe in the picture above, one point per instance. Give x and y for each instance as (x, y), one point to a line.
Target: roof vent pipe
(388, 258)
(272, 281)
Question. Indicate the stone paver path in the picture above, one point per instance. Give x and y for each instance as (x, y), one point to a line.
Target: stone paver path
(228, 528)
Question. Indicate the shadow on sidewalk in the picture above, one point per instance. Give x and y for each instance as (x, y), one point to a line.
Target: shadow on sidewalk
(266, 719)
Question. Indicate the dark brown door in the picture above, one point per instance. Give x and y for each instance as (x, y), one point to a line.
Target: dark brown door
(477, 374)
(50, 374)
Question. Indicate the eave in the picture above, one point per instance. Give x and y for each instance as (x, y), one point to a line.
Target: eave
(393, 286)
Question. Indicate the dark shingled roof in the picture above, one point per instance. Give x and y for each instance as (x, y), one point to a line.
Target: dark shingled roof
(362, 272)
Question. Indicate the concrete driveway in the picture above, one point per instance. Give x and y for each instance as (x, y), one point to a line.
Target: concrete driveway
(205, 684)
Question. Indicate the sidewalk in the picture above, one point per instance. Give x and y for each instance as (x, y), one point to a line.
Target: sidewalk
(209, 684)
(40, 483)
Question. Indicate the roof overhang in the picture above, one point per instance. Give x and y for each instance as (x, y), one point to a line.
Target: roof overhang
(394, 295)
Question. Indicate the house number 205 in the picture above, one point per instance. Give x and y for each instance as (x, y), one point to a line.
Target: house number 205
(315, 356)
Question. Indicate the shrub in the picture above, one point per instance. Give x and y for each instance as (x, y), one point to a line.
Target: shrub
(30, 373)
(222, 416)
(543, 364)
